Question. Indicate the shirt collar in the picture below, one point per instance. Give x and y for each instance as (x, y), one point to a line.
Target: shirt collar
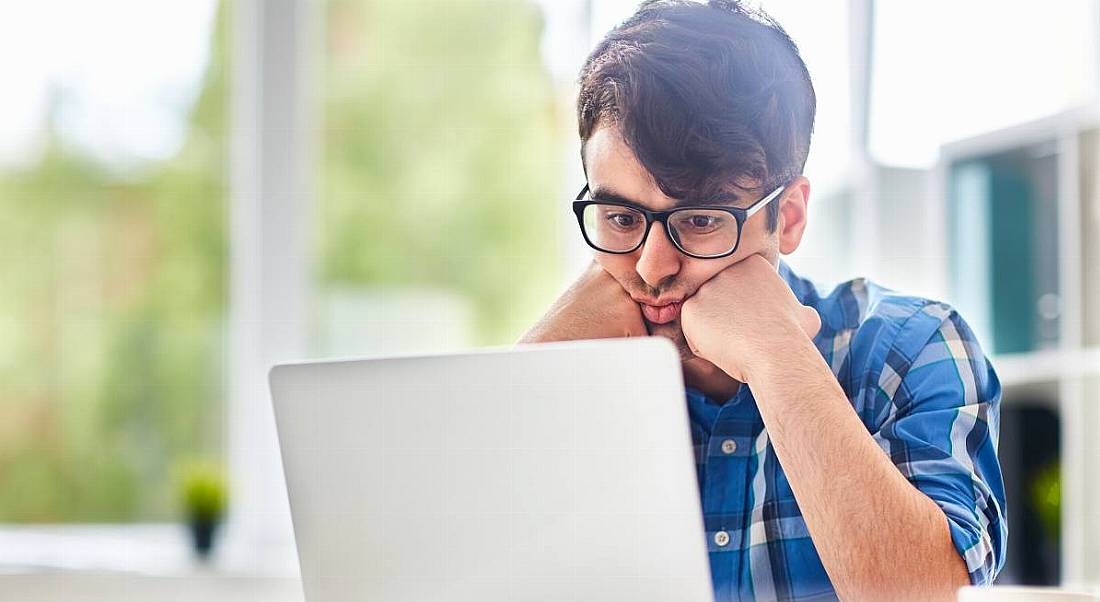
(798, 285)
(810, 294)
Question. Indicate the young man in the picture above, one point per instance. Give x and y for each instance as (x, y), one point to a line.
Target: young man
(845, 438)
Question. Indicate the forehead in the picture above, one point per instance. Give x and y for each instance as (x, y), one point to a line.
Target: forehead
(612, 168)
(609, 162)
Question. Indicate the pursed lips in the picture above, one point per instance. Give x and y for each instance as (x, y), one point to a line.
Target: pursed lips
(660, 313)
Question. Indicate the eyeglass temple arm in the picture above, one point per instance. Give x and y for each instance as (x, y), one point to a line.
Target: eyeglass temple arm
(758, 205)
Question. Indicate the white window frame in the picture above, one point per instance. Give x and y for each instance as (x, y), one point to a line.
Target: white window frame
(271, 166)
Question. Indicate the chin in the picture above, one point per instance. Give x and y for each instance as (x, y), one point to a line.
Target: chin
(671, 330)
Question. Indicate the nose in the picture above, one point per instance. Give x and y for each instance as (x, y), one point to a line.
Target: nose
(659, 257)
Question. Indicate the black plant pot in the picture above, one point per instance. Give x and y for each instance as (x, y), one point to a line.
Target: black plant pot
(202, 537)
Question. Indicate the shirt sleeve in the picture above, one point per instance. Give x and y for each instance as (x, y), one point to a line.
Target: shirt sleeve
(941, 429)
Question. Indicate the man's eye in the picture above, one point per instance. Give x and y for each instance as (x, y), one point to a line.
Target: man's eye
(623, 220)
(701, 222)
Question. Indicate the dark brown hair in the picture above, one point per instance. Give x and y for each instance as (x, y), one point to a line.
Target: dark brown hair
(709, 97)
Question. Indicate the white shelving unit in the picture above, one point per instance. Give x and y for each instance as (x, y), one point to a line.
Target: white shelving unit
(1072, 367)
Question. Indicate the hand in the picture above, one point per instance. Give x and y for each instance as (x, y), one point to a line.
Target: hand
(594, 307)
(746, 313)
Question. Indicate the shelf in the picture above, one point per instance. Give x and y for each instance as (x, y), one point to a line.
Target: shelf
(1018, 369)
(1089, 219)
(1058, 330)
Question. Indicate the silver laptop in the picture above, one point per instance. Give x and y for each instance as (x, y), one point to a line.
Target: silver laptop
(561, 471)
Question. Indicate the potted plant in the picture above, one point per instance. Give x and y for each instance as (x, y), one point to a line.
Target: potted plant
(205, 495)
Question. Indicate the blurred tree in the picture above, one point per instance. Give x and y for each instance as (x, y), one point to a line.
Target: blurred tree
(116, 295)
(439, 165)
(441, 154)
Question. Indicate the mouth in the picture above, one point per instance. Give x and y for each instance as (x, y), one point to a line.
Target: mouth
(661, 314)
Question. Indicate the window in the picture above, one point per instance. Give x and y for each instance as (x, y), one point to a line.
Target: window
(112, 255)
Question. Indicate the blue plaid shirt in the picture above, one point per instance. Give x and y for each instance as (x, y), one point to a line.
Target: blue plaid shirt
(920, 383)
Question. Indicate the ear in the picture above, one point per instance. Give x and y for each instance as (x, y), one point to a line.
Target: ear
(792, 214)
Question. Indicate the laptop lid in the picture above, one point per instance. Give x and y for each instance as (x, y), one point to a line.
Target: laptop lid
(541, 472)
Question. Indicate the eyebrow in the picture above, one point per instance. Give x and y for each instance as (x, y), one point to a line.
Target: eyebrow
(609, 195)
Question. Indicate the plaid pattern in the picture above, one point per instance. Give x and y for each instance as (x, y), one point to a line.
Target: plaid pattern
(917, 378)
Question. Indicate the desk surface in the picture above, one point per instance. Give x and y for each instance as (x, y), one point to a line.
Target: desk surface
(69, 586)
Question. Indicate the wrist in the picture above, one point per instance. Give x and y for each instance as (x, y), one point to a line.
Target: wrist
(782, 353)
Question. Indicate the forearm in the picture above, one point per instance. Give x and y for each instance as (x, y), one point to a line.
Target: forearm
(877, 535)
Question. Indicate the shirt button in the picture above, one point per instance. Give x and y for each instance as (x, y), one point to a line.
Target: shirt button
(721, 538)
(729, 446)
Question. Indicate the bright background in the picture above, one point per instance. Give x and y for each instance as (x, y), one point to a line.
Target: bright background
(192, 191)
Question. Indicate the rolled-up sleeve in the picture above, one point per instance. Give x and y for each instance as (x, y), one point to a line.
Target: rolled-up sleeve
(940, 428)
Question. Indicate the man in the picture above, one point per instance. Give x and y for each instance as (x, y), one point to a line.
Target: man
(845, 438)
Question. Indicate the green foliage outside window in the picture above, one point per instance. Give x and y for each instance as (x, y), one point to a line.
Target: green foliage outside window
(439, 166)
(441, 154)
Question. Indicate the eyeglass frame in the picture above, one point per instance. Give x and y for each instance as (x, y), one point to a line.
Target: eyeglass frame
(740, 215)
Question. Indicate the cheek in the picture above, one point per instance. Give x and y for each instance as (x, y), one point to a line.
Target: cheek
(755, 238)
(619, 266)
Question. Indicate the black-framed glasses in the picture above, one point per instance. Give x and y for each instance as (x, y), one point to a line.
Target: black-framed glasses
(701, 231)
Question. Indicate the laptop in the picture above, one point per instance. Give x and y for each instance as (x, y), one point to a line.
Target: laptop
(549, 472)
